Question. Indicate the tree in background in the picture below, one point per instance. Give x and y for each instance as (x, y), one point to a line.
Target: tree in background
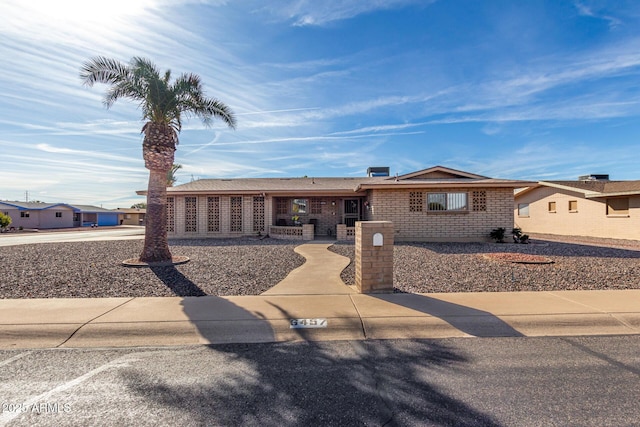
(163, 103)
(171, 175)
(139, 206)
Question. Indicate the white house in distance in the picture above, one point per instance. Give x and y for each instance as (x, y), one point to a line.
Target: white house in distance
(591, 206)
(38, 215)
(434, 204)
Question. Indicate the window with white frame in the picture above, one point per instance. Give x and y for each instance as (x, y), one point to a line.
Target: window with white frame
(58, 214)
(440, 202)
(24, 214)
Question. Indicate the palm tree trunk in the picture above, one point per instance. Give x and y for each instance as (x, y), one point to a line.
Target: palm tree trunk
(156, 246)
(158, 150)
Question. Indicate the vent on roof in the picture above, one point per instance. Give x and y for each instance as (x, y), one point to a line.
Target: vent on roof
(378, 171)
(594, 177)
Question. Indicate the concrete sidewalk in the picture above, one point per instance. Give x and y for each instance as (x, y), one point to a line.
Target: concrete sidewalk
(115, 322)
(312, 303)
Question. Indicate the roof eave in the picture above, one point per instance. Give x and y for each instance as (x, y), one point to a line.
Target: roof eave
(275, 193)
(613, 194)
(567, 188)
(412, 185)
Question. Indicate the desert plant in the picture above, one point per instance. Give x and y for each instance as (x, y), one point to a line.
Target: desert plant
(498, 234)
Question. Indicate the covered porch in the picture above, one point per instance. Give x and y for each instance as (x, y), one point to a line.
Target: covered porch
(309, 217)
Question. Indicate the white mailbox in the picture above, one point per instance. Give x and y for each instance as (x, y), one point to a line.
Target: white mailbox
(378, 239)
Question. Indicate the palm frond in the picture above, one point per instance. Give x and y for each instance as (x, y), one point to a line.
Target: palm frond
(160, 100)
(103, 70)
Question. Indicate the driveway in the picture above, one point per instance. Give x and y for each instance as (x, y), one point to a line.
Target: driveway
(72, 235)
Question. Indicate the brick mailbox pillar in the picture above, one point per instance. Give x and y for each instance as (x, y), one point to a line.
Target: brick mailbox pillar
(374, 256)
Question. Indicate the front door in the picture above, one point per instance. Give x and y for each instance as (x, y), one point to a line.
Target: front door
(351, 212)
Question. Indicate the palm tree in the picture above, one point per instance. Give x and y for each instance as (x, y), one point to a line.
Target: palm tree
(163, 104)
(171, 175)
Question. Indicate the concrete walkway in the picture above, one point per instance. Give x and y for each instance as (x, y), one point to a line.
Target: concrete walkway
(319, 275)
(312, 303)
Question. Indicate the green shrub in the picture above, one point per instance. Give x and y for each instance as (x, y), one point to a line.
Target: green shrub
(5, 221)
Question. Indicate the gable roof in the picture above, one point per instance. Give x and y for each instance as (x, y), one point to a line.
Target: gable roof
(592, 189)
(434, 177)
(440, 172)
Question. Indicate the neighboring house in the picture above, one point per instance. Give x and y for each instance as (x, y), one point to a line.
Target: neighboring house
(56, 215)
(132, 216)
(591, 206)
(435, 204)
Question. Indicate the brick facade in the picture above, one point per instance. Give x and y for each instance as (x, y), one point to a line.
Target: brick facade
(410, 224)
(374, 260)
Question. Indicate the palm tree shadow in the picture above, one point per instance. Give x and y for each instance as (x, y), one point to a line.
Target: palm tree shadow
(472, 321)
(179, 284)
(293, 384)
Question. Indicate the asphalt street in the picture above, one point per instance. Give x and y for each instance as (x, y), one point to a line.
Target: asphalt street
(569, 381)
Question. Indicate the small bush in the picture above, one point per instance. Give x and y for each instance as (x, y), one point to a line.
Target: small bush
(518, 237)
(497, 234)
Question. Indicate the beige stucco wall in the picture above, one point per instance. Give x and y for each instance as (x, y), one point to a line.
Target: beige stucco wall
(590, 219)
(40, 218)
(393, 205)
(131, 218)
(48, 218)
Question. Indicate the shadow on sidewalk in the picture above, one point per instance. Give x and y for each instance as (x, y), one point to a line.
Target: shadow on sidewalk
(216, 319)
(469, 320)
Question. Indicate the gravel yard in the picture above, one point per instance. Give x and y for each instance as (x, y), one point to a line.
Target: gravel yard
(92, 269)
(251, 266)
(464, 267)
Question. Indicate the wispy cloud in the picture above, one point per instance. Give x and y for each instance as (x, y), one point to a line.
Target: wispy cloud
(585, 10)
(309, 12)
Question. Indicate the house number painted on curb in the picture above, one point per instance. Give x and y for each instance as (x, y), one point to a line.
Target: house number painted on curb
(307, 323)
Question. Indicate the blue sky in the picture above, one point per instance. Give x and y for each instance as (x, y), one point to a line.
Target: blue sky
(535, 90)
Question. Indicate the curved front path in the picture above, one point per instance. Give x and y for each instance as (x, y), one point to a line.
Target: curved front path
(319, 275)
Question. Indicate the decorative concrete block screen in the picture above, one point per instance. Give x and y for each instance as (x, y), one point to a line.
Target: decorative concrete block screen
(304, 232)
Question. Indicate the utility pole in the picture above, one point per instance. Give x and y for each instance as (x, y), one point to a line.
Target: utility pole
(26, 196)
